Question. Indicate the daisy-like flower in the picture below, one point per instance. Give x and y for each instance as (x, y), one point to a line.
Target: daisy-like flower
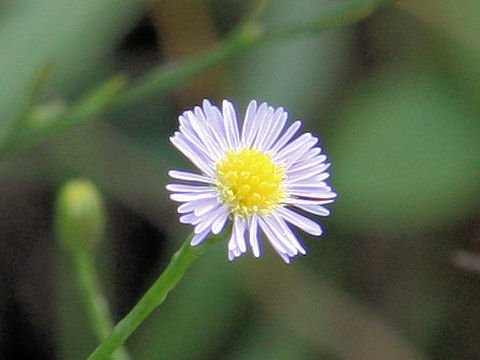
(255, 174)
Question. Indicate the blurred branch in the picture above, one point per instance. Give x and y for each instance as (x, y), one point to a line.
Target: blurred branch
(242, 39)
(51, 118)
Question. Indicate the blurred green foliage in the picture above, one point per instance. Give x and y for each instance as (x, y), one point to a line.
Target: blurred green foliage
(395, 101)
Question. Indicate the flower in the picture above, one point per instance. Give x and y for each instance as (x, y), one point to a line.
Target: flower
(255, 175)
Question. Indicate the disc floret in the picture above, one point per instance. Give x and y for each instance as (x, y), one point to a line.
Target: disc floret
(249, 182)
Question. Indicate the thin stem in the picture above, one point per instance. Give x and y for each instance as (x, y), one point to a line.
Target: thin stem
(155, 296)
(98, 311)
(354, 13)
(162, 79)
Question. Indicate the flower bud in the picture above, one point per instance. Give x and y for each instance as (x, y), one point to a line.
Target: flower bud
(80, 216)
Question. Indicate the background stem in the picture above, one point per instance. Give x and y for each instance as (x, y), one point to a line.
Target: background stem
(96, 304)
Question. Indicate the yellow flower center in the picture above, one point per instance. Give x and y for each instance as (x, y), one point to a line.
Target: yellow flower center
(249, 182)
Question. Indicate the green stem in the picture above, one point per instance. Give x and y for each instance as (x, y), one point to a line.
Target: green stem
(98, 311)
(108, 96)
(354, 13)
(157, 293)
(165, 78)
(241, 40)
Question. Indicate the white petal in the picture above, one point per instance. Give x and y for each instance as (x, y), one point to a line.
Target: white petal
(285, 235)
(247, 123)
(321, 193)
(198, 238)
(264, 130)
(278, 245)
(183, 197)
(285, 258)
(307, 174)
(205, 132)
(190, 137)
(300, 221)
(297, 201)
(313, 165)
(191, 219)
(256, 122)
(187, 188)
(288, 234)
(219, 223)
(313, 153)
(292, 157)
(253, 236)
(303, 143)
(314, 180)
(291, 131)
(315, 209)
(205, 208)
(239, 226)
(215, 120)
(195, 156)
(231, 124)
(279, 121)
(233, 248)
(207, 219)
(189, 176)
(195, 204)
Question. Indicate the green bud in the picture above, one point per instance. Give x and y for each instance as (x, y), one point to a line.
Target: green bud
(80, 216)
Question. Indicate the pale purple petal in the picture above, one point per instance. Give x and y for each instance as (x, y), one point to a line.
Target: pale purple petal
(197, 239)
(315, 209)
(220, 222)
(183, 197)
(231, 124)
(190, 206)
(311, 193)
(239, 226)
(207, 219)
(279, 121)
(286, 232)
(315, 166)
(247, 123)
(277, 245)
(272, 235)
(256, 122)
(187, 188)
(215, 120)
(310, 201)
(201, 128)
(194, 155)
(291, 131)
(300, 221)
(253, 236)
(190, 218)
(303, 143)
(189, 176)
(264, 130)
(206, 208)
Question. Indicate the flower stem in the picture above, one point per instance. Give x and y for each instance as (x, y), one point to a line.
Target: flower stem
(157, 293)
(98, 311)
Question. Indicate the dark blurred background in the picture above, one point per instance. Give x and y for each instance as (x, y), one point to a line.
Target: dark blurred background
(395, 100)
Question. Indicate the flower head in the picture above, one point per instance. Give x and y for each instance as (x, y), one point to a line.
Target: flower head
(256, 175)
